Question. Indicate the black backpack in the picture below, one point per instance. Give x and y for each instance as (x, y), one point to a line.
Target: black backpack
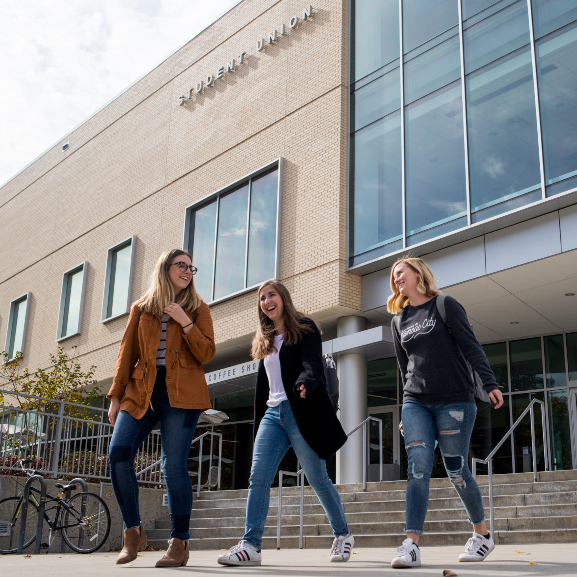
(331, 380)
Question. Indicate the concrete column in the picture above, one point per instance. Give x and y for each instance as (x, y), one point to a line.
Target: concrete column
(352, 371)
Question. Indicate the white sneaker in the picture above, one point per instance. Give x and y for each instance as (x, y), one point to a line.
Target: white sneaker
(409, 555)
(477, 548)
(342, 548)
(242, 554)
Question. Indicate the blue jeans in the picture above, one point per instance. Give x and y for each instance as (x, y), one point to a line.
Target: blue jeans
(278, 430)
(450, 424)
(177, 428)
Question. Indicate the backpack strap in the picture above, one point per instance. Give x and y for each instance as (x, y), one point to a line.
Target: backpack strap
(441, 308)
(397, 322)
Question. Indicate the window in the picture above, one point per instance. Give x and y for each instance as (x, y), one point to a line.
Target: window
(71, 302)
(17, 322)
(233, 235)
(118, 281)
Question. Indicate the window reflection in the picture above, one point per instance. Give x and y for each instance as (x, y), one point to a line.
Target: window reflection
(231, 243)
(526, 364)
(502, 136)
(557, 74)
(72, 303)
(376, 35)
(262, 229)
(549, 15)
(18, 320)
(522, 434)
(572, 355)
(376, 176)
(555, 361)
(202, 248)
(490, 427)
(496, 37)
(425, 20)
(119, 280)
(560, 431)
(432, 70)
(376, 100)
(472, 7)
(382, 382)
(435, 161)
(497, 357)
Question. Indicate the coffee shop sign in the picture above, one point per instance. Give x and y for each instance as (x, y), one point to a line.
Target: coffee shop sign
(231, 66)
(232, 372)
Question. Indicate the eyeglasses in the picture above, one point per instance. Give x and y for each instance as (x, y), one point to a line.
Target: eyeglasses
(184, 267)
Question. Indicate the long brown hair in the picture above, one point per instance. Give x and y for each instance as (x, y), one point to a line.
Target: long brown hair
(263, 341)
(397, 301)
(161, 292)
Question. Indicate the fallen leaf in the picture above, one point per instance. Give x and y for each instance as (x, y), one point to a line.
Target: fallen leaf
(532, 563)
(139, 555)
(527, 553)
(27, 556)
(355, 553)
(449, 573)
(521, 552)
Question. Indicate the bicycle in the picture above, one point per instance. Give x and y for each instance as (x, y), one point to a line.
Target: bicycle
(83, 519)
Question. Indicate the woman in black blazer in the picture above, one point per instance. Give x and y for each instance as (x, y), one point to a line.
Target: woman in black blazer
(291, 407)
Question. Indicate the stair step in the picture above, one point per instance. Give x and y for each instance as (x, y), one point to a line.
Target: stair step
(525, 512)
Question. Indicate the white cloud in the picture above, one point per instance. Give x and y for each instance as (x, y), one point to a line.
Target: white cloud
(61, 61)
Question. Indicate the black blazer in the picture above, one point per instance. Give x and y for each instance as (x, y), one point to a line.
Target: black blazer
(315, 416)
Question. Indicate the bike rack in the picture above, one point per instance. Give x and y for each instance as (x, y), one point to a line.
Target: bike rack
(82, 510)
(299, 474)
(21, 536)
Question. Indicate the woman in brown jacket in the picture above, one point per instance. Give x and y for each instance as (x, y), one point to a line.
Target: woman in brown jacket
(159, 378)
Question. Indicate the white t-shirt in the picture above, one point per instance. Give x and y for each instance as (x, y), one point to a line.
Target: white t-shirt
(272, 367)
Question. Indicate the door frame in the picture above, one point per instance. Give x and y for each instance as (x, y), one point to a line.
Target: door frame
(572, 390)
(396, 434)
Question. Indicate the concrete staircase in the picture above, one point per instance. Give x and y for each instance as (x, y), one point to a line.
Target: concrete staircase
(525, 512)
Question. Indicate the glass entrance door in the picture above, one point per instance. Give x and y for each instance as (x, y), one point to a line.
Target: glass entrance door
(389, 442)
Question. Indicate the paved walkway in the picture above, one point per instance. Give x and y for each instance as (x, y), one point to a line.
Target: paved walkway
(551, 560)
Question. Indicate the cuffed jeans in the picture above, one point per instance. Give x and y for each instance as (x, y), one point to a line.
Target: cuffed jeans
(177, 428)
(277, 431)
(451, 424)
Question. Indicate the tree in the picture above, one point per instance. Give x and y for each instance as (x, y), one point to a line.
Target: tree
(35, 425)
(64, 380)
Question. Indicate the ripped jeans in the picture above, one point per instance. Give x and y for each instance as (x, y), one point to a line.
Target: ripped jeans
(451, 424)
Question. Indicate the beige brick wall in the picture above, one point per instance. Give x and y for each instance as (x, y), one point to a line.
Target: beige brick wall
(143, 159)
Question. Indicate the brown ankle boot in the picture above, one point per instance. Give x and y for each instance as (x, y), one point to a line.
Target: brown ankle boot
(134, 541)
(176, 556)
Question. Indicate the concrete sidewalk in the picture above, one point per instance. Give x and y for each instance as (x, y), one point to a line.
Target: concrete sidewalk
(551, 560)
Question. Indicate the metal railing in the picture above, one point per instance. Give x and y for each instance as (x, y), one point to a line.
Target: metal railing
(364, 425)
(299, 475)
(489, 459)
(61, 441)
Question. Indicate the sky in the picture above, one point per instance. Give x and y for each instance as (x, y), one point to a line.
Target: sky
(62, 60)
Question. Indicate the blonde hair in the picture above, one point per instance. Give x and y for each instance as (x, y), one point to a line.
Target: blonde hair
(161, 292)
(397, 301)
(294, 328)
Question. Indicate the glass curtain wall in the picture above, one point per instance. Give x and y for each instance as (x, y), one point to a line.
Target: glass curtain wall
(457, 108)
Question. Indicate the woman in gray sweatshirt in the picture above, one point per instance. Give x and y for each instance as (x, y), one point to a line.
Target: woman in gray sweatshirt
(438, 400)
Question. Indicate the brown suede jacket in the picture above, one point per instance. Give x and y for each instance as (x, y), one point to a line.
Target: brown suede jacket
(135, 371)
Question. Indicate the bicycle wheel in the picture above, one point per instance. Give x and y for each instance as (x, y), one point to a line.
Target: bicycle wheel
(10, 515)
(86, 523)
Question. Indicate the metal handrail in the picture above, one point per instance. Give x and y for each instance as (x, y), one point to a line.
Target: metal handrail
(364, 425)
(489, 459)
(299, 474)
(24, 514)
(199, 438)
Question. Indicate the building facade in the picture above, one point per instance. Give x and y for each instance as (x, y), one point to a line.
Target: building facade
(317, 144)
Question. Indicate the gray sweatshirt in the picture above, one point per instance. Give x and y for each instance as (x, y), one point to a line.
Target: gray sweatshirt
(432, 369)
